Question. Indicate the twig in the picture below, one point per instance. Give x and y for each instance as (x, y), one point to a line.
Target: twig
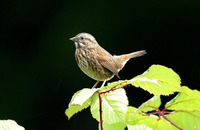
(162, 114)
(114, 88)
(172, 122)
(148, 114)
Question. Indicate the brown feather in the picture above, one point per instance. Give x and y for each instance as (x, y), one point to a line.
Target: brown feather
(108, 64)
(122, 59)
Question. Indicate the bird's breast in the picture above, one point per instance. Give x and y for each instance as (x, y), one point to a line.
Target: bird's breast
(88, 63)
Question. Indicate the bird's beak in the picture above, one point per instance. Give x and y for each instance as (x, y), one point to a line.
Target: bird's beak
(73, 38)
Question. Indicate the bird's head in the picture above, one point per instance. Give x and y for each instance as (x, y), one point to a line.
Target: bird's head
(83, 40)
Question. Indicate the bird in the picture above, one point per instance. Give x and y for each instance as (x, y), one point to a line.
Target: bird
(96, 62)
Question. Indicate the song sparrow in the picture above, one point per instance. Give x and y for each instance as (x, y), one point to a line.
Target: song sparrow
(96, 62)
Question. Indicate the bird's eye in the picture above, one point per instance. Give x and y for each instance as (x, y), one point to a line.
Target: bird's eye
(82, 38)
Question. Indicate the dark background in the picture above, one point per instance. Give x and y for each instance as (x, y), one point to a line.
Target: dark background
(38, 71)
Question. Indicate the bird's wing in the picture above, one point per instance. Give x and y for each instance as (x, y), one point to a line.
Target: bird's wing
(108, 64)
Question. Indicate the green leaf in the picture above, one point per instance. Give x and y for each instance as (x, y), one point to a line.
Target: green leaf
(157, 80)
(114, 106)
(188, 102)
(138, 127)
(10, 125)
(83, 96)
(186, 120)
(80, 101)
(149, 105)
(129, 114)
(186, 113)
(186, 108)
(116, 126)
(151, 121)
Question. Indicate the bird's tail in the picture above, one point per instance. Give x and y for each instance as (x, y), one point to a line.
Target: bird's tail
(135, 54)
(125, 57)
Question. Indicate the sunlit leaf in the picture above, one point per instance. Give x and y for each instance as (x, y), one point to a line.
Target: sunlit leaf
(189, 100)
(116, 126)
(187, 120)
(186, 108)
(83, 96)
(149, 105)
(157, 80)
(10, 125)
(138, 127)
(151, 121)
(79, 101)
(114, 106)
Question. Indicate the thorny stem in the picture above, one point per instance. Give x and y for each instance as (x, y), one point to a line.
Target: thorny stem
(100, 111)
(100, 103)
(107, 91)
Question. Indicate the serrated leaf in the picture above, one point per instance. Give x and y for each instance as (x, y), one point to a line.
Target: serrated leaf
(79, 101)
(116, 126)
(83, 96)
(138, 127)
(10, 125)
(188, 101)
(186, 120)
(114, 106)
(186, 108)
(158, 80)
(149, 105)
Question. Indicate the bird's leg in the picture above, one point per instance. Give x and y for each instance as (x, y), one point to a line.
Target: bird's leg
(103, 83)
(95, 84)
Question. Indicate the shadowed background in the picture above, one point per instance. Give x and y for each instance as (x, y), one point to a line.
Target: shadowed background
(38, 71)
